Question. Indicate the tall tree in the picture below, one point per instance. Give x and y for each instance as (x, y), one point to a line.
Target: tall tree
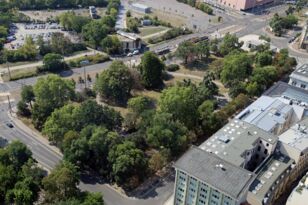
(115, 83)
(151, 68)
(50, 93)
(61, 183)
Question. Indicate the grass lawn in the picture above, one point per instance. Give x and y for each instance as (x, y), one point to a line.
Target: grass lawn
(151, 30)
(20, 73)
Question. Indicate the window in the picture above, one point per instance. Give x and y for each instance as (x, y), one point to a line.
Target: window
(267, 144)
(260, 141)
(303, 86)
(259, 148)
(265, 151)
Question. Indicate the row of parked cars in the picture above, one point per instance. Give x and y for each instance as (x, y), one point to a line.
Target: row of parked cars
(42, 26)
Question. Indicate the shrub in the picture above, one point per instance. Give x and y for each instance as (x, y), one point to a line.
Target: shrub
(173, 67)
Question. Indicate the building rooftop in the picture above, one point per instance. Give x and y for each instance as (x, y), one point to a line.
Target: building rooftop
(284, 90)
(268, 175)
(231, 141)
(269, 112)
(297, 136)
(142, 6)
(131, 36)
(221, 175)
(301, 71)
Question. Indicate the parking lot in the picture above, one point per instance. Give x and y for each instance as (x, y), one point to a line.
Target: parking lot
(19, 32)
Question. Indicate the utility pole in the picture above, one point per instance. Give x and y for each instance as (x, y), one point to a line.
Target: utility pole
(85, 77)
(10, 106)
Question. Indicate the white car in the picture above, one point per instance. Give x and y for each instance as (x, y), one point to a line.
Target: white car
(129, 55)
(135, 52)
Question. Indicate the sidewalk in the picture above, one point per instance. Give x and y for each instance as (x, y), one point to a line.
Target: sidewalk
(170, 200)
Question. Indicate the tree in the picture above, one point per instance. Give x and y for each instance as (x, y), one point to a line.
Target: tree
(61, 183)
(22, 109)
(203, 49)
(139, 104)
(157, 161)
(229, 43)
(92, 113)
(70, 21)
(74, 118)
(18, 154)
(264, 58)
(128, 164)
(185, 51)
(50, 93)
(27, 94)
(94, 32)
(93, 199)
(236, 67)
(261, 79)
(53, 62)
(100, 143)
(151, 68)
(115, 83)
(78, 152)
(59, 123)
(111, 45)
(166, 133)
(20, 176)
(182, 103)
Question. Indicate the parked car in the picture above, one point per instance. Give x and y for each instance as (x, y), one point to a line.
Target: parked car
(135, 52)
(10, 125)
(129, 55)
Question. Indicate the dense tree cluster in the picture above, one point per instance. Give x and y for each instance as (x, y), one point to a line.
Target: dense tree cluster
(242, 72)
(20, 177)
(279, 23)
(199, 5)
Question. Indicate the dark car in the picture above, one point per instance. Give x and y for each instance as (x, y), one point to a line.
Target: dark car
(10, 125)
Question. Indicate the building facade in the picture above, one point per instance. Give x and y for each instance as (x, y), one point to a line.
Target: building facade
(299, 78)
(240, 5)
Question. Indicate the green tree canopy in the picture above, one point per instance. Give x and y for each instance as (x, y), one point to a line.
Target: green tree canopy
(181, 102)
(53, 62)
(164, 132)
(115, 83)
(94, 32)
(128, 164)
(236, 67)
(151, 68)
(50, 93)
(229, 43)
(61, 183)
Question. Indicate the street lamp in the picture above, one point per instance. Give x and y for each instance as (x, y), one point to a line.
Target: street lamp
(83, 64)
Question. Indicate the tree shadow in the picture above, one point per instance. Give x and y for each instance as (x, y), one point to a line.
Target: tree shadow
(66, 73)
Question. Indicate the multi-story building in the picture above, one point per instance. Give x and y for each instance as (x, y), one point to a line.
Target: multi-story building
(272, 114)
(202, 178)
(240, 5)
(299, 78)
(294, 143)
(237, 165)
